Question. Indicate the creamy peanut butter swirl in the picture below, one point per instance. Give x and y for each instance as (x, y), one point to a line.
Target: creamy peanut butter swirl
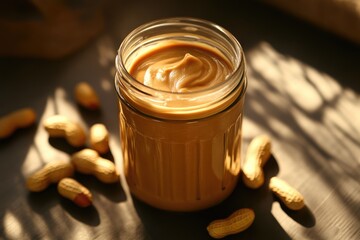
(180, 69)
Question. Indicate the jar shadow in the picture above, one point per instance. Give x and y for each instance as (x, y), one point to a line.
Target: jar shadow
(192, 225)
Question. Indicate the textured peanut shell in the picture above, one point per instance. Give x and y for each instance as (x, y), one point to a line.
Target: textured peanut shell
(291, 198)
(88, 161)
(86, 96)
(99, 138)
(259, 149)
(21, 118)
(76, 192)
(237, 222)
(61, 126)
(252, 176)
(52, 172)
(257, 154)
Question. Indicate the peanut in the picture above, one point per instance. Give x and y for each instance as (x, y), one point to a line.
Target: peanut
(257, 154)
(86, 96)
(237, 222)
(99, 138)
(76, 192)
(21, 118)
(88, 161)
(52, 172)
(291, 198)
(61, 126)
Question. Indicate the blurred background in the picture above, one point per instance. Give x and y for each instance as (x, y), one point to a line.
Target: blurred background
(38, 28)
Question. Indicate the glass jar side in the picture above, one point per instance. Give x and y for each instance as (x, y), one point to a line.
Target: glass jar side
(181, 158)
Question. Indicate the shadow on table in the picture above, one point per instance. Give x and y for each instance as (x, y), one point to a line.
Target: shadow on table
(172, 225)
(112, 191)
(89, 215)
(43, 202)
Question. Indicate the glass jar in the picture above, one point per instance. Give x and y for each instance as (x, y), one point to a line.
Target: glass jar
(181, 150)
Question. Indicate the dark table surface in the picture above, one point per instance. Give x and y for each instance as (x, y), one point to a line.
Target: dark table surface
(304, 91)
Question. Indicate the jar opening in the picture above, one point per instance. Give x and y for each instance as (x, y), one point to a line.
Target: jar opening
(164, 102)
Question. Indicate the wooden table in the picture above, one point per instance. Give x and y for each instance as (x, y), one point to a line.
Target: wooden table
(304, 92)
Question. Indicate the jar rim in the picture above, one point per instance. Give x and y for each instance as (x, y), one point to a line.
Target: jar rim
(180, 20)
(197, 103)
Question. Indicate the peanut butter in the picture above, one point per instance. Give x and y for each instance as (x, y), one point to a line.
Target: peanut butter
(181, 105)
(180, 67)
